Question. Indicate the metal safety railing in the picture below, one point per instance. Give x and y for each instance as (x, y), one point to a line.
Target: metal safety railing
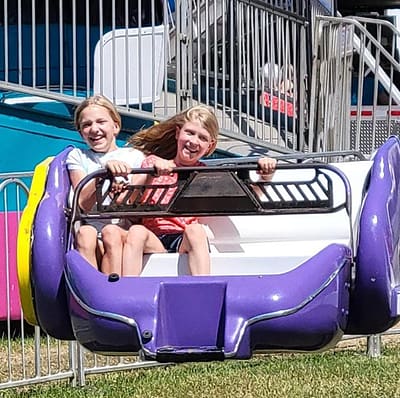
(248, 60)
(355, 79)
(251, 61)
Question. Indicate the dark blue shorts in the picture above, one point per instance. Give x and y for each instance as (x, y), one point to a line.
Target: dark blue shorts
(171, 242)
(124, 223)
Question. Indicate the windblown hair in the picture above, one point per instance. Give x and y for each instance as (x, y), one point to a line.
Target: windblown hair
(160, 139)
(98, 100)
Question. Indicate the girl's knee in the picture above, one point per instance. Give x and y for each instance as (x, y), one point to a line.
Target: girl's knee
(110, 229)
(86, 237)
(137, 228)
(195, 231)
(86, 231)
(112, 234)
(137, 233)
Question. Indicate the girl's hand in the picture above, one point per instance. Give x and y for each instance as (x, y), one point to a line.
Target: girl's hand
(163, 166)
(118, 185)
(118, 168)
(120, 171)
(267, 167)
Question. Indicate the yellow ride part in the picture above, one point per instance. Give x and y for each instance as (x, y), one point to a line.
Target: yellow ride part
(24, 242)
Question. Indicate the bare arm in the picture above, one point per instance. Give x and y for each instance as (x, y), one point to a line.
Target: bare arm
(87, 197)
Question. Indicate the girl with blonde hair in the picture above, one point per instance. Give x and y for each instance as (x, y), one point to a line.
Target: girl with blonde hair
(99, 123)
(160, 139)
(180, 141)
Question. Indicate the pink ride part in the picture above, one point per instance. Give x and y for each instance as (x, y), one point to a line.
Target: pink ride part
(10, 305)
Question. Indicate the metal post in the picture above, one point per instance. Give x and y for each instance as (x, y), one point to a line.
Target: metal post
(80, 369)
(183, 52)
(374, 345)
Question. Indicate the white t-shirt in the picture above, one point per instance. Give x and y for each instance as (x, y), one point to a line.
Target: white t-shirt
(89, 161)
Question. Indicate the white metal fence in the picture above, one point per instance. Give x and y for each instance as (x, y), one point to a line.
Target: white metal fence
(251, 60)
(29, 357)
(356, 71)
(153, 57)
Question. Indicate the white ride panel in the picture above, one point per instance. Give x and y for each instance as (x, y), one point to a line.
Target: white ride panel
(257, 244)
(129, 65)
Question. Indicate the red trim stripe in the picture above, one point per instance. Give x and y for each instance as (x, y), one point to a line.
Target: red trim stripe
(370, 113)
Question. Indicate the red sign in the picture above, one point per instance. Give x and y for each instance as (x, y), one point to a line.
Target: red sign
(277, 104)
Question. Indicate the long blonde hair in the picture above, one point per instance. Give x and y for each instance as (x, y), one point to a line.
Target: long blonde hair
(98, 100)
(160, 139)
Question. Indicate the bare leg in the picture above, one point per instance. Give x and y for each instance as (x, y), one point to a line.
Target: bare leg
(139, 241)
(113, 241)
(195, 244)
(86, 243)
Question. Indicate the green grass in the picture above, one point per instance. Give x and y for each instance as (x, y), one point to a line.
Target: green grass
(337, 373)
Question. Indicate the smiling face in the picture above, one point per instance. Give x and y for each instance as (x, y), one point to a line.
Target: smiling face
(193, 142)
(98, 128)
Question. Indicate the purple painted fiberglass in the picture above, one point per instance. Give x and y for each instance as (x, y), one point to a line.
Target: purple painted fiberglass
(225, 316)
(178, 318)
(48, 253)
(374, 304)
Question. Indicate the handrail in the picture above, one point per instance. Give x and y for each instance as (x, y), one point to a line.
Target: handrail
(382, 76)
(209, 182)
